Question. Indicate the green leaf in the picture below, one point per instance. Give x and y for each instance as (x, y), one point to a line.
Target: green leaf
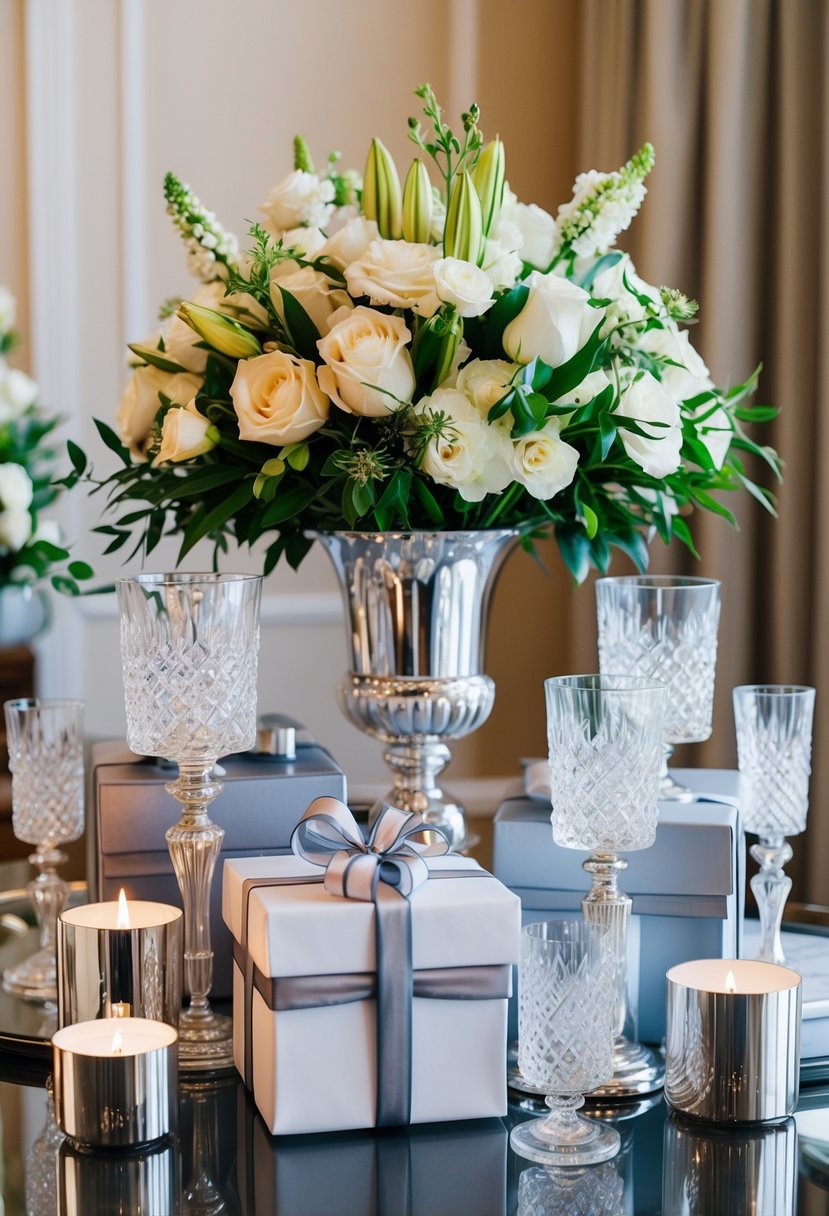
(201, 481)
(591, 521)
(635, 546)
(81, 570)
(112, 441)
(428, 502)
(604, 263)
(607, 432)
(302, 330)
(393, 503)
(683, 532)
(77, 456)
(155, 358)
(289, 502)
(66, 586)
(205, 523)
(575, 550)
(568, 376)
(505, 309)
(709, 503)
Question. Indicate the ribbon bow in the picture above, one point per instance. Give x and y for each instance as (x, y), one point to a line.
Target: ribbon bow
(394, 853)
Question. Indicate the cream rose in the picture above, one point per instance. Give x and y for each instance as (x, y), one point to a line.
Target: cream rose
(538, 231)
(184, 435)
(306, 241)
(646, 403)
(398, 273)
(350, 242)
(502, 262)
(550, 325)
(301, 198)
(471, 456)
(16, 490)
(311, 289)
(140, 402)
(277, 399)
(17, 392)
(368, 368)
(464, 285)
(15, 529)
(543, 462)
(486, 381)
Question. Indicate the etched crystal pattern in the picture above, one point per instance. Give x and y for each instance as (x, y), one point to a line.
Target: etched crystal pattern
(46, 761)
(774, 746)
(565, 1010)
(646, 631)
(595, 1191)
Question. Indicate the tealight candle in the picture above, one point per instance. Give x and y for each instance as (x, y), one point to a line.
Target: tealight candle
(119, 959)
(733, 1040)
(115, 1081)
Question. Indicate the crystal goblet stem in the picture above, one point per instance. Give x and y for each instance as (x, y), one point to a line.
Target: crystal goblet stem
(771, 887)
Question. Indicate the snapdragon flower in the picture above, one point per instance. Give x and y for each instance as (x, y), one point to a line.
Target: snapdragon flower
(602, 206)
(210, 250)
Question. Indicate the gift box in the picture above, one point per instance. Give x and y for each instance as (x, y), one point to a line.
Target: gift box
(351, 1013)
(459, 1168)
(687, 889)
(129, 812)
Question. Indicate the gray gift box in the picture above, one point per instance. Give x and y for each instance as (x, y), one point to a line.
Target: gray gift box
(129, 812)
(688, 889)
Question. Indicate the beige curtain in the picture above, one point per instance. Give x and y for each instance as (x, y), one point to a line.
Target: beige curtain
(734, 96)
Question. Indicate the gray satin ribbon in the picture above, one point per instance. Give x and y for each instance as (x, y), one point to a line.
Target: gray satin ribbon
(394, 985)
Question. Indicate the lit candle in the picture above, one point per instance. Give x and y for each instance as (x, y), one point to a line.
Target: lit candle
(733, 1040)
(119, 959)
(115, 1081)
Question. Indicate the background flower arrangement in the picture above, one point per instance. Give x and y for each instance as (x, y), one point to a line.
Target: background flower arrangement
(411, 356)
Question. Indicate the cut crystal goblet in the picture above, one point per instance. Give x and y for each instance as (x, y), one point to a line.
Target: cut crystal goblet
(565, 1036)
(45, 742)
(605, 741)
(774, 749)
(189, 648)
(665, 627)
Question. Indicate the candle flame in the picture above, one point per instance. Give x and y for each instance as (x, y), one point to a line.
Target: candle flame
(117, 1043)
(123, 921)
(730, 982)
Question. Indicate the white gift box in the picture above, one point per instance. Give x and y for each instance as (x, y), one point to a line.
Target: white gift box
(315, 1068)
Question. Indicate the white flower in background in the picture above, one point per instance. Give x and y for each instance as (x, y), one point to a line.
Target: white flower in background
(646, 402)
(502, 261)
(140, 402)
(684, 376)
(486, 381)
(551, 324)
(341, 216)
(398, 273)
(537, 229)
(306, 241)
(368, 368)
(8, 311)
(47, 529)
(618, 283)
(543, 462)
(602, 206)
(277, 399)
(311, 289)
(184, 435)
(17, 392)
(15, 529)
(350, 242)
(300, 199)
(16, 489)
(469, 455)
(464, 285)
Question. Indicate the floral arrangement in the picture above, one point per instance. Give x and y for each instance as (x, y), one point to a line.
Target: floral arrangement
(30, 542)
(431, 355)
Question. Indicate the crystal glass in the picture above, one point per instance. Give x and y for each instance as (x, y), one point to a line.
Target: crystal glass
(774, 749)
(605, 740)
(189, 649)
(565, 1038)
(45, 742)
(591, 1191)
(665, 627)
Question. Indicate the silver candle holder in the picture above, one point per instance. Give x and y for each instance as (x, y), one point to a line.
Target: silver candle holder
(144, 1180)
(116, 1081)
(733, 1040)
(119, 959)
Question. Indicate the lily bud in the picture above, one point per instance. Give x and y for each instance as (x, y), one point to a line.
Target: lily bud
(463, 233)
(219, 331)
(489, 176)
(302, 155)
(381, 191)
(417, 204)
(452, 332)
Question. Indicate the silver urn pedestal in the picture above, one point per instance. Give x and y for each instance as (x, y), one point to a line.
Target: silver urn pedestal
(416, 608)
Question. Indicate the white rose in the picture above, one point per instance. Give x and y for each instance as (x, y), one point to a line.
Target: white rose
(350, 242)
(470, 455)
(715, 430)
(538, 231)
(646, 402)
(589, 388)
(17, 392)
(15, 529)
(311, 289)
(543, 462)
(368, 368)
(8, 311)
(464, 285)
(502, 262)
(49, 530)
(307, 241)
(685, 375)
(486, 381)
(398, 273)
(140, 402)
(184, 435)
(300, 199)
(16, 489)
(277, 399)
(550, 325)
(339, 217)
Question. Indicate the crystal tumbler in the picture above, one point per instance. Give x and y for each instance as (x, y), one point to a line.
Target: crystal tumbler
(774, 749)
(565, 1037)
(189, 649)
(45, 741)
(665, 627)
(605, 741)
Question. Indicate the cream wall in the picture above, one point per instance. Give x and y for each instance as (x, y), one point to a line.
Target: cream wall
(118, 91)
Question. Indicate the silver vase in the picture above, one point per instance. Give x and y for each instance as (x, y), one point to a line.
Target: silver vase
(416, 607)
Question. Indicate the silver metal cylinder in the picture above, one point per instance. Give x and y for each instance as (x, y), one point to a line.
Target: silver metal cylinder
(733, 1040)
(144, 1181)
(105, 971)
(116, 1081)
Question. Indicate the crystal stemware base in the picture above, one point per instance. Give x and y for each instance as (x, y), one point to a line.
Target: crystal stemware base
(35, 978)
(565, 1137)
(669, 789)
